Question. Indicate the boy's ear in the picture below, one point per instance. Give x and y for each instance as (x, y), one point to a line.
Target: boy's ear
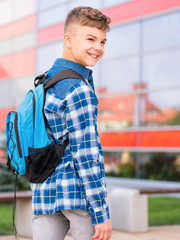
(67, 40)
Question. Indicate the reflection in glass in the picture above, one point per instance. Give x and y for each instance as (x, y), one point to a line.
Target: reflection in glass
(117, 112)
(53, 51)
(122, 40)
(159, 108)
(153, 165)
(119, 74)
(162, 32)
(52, 16)
(162, 69)
(163, 107)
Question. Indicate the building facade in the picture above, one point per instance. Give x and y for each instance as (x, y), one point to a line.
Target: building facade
(137, 82)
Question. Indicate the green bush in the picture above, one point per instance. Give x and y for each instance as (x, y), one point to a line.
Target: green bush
(7, 180)
(161, 167)
(127, 170)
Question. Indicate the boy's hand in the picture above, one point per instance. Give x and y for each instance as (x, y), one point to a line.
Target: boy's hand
(103, 231)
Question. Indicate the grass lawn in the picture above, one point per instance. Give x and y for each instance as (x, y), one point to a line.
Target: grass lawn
(6, 219)
(162, 211)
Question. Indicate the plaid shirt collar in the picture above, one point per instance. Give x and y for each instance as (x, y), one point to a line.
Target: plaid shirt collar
(67, 64)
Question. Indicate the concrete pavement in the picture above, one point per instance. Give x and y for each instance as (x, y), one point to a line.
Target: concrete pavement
(154, 233)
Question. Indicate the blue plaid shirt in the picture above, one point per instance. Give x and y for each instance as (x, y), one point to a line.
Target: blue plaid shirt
(78, 182)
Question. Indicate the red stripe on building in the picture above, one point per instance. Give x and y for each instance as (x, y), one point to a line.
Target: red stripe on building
(123, 12)
(137, 8)
(153, 6)
(18, 64)
(50, 34)
(146, 139)
(3, 115)
(17, 27)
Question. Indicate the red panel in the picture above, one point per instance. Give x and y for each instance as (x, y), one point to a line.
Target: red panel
(5, 66)
(118, 139)
(148, 139)
(23, 25)
(3, 114)
(50, 34)
(153, 6)
(137, 8)
(18, 64)
(160, 139)
(2, 160)
(123, 12)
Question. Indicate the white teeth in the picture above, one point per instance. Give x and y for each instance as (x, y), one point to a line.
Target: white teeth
(94, 56)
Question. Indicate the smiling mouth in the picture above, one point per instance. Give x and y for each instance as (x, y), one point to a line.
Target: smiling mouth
(93, 55)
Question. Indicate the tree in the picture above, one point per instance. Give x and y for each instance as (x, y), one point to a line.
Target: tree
(175, 120)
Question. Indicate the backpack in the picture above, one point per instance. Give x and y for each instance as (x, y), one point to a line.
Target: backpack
(29, 149)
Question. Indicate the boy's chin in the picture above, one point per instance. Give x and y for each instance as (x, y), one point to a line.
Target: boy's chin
(91, 64)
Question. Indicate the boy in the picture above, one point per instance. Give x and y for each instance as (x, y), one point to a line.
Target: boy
(74, 196)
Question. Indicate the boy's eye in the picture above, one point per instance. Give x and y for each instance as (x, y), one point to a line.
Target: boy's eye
(90, 39)
(103, 43)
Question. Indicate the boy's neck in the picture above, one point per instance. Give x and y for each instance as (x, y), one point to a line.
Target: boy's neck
(67, 56)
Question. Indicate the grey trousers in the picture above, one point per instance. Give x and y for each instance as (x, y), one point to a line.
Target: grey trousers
(56, 226)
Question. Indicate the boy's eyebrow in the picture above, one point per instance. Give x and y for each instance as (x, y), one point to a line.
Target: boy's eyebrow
(91, 35)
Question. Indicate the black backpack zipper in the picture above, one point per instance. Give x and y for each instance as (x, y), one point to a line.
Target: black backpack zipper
(17, 134)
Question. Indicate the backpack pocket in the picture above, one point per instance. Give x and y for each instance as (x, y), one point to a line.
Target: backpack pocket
(14, 149)
(41, 162)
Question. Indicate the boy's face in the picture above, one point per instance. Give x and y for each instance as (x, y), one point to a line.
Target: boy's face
(85, 44)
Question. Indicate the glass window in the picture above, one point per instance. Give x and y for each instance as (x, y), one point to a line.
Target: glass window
(162, 32)
(6, 12)
(24, 41)
(20, 87)
(117, 112)
(96, 77)
(43, 4)
(5, 67)
(107, 3)
(13, 91)
(120, 74)
(47, 54)
(122, 40)
(6, 94)
(162, 69)
(5, 47)
(163, 108)
(23, 8)
(76, 3)
(52, 16)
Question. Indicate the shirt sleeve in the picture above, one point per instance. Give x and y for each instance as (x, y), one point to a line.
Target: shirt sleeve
(83, 137)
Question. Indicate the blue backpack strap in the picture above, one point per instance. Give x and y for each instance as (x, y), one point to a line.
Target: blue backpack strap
(64, 74)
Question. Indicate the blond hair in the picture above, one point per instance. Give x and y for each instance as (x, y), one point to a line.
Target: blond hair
(87, 16)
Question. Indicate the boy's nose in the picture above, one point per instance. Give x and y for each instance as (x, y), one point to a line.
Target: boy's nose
(98, 46)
